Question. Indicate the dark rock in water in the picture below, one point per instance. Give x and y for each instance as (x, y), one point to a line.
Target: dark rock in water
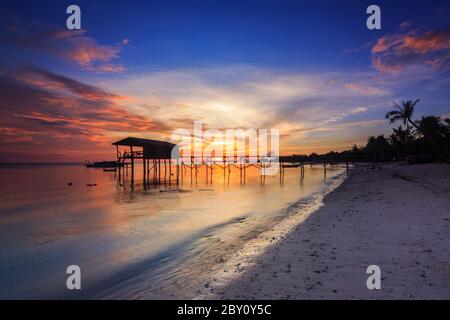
(91, 184)
(69, 184)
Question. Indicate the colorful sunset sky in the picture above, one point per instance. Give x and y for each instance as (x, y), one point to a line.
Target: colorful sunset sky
(145, 68)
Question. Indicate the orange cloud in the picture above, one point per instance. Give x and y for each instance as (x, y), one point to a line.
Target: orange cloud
(394, 52)
(379, 64)
(431, 41)
(40, 108)
(365, 90)
(85, 51)
(50, 81)
(91, 56)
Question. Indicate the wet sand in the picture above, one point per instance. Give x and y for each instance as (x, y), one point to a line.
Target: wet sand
(397, 218)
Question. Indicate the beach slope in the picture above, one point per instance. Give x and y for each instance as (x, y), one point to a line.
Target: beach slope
(397, 218)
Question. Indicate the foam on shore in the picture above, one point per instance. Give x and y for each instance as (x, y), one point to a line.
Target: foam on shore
(237, 263)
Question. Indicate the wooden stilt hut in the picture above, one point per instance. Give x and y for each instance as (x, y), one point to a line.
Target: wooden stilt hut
(151, 152)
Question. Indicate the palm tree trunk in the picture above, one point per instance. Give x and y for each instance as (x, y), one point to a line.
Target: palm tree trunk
(406, 142)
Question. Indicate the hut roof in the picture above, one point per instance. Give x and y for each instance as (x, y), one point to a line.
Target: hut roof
(139, 142)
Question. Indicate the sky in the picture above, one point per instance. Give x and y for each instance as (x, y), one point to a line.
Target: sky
(311, 69)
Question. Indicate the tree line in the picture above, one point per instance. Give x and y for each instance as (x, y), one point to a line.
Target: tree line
(423, 140)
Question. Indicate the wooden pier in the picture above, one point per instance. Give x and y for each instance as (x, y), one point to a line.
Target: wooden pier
(158, 167)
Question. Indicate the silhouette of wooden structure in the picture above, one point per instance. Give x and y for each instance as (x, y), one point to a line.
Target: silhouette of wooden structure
(157, 162)
(154, 154)
(156, 157)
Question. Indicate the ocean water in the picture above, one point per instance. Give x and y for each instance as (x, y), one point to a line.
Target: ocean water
(153, 242)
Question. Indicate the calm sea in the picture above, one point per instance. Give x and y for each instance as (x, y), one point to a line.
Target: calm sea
(156, 242)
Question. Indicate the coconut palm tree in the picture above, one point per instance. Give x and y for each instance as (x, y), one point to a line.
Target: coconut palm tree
(435, 129)
(404, 113)
(447, 121)
(432, 126)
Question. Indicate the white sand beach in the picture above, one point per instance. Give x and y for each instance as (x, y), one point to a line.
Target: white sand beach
(397, 218)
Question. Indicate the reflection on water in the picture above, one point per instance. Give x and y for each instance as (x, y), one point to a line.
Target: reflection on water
(155, 242)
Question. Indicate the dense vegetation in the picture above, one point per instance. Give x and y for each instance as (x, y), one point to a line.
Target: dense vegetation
(422, 140)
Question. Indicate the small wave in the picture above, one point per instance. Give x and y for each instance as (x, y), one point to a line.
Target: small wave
(296, 213)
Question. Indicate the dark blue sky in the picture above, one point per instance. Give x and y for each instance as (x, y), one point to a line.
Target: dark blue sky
(287, 34)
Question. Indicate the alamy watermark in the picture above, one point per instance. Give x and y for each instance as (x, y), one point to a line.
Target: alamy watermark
(374, 20)
(73, 21)
(74, 280)
(230, 146)
(374, 280)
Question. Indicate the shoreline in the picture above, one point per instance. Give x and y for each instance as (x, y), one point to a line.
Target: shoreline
(397, 218)
(247, 255)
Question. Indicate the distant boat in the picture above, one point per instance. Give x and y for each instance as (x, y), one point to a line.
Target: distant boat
(102, 164)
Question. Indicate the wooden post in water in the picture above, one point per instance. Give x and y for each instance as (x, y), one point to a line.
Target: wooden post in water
(240, 171)
(280, 167)
(165, 170)
(206, 171)
(170, 170)
(178, 170)
(159, 171)
(155, 171)
(144, 169)
(132, 165)
(211, 171)
(224, 168)
(191, 165)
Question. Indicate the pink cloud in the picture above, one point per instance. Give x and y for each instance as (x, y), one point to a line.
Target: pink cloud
(362, 89)
(431, 41)
(86, 51)
(75, 46)
(380, 65)
(90, 55)
(394, 52)
(44, 110)
(386, 43)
